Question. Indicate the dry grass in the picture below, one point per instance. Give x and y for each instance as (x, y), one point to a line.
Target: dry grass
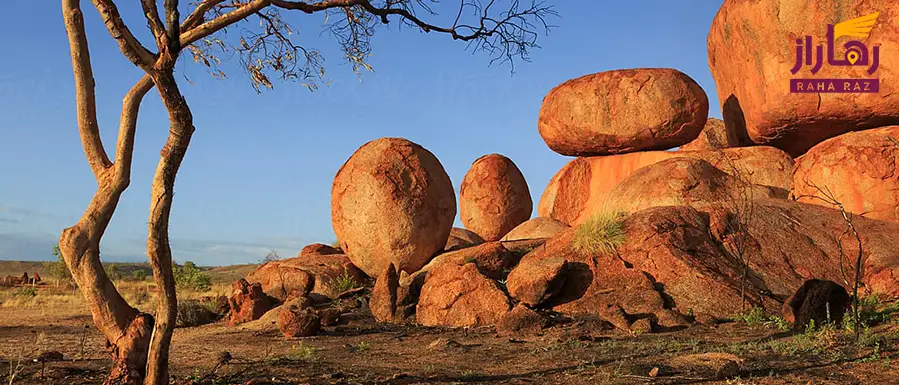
(140, 294)
(601, 234)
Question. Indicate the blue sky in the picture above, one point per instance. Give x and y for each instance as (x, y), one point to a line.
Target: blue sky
(259, 170)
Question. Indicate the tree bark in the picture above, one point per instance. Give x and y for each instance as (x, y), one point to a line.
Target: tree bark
(127, 331)
(158, 248)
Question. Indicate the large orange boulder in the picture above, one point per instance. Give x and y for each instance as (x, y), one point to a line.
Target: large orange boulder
(682, 182)
(752, 51)
(494, 197)
(715, 136)
(459, 296)
(583, 185)
(392, 202)
(623, 111)
(858, 169)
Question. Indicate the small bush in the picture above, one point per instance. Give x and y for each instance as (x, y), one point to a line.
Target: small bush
(302, 352)
(194, 313)
(26, 292)
(190, 277)
(344, 282)
(603, 233)
(139, 275)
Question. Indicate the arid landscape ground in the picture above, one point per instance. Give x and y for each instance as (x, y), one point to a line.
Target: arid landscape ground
(361, 351)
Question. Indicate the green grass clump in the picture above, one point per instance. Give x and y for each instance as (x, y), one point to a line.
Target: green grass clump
(344, 282)
(603, 233)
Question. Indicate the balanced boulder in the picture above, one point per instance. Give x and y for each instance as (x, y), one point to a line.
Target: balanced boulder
(623, 111)
(860, 170)
(494, 197)
(583, 185)
(752, 53)
(459, 296)
(392, 202)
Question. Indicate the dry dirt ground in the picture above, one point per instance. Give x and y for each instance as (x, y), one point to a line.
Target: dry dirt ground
(363, 352)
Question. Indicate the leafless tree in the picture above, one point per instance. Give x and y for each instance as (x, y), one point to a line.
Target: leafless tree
(828, 197)
(740, 204)
(267, 49)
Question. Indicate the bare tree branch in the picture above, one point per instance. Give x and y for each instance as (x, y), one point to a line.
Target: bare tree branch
(214, 25)
(152, 15)
(85, 97)
(128, 44)
(199, 13)
(127, 125)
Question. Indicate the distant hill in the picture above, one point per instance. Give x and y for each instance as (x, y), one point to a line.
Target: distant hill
(219, 274)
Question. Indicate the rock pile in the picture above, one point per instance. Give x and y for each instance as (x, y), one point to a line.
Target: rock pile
(728, 222)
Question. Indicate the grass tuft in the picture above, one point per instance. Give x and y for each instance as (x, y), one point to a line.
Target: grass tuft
(603, 233)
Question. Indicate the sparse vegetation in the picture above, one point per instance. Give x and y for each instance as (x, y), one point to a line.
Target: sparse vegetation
(26, 292)
(302, 352)
(190, 277)
(603, 233)
(271, 256)
(139, 275)
(345, 281)
(195, 313)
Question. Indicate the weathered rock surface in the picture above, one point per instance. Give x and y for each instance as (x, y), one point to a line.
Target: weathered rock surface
(491, 258)
(859, 169)
(316, 249)
(294, 322)
(536, 280)
(308, 273)
(392, 202)
(584, 184)
(751, 49)
(460, 296)
(535, 228)
(494, 197)
(462, 238)
(623, 111)
(715, 136)
(383, 298)
(520, 321)
(816, 300)
(682, 182)
(247, 301)
(675, 261)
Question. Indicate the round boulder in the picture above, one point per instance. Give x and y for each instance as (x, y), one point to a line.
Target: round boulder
(494, 197)
(858, 169)
(623, 111)
(392, 202)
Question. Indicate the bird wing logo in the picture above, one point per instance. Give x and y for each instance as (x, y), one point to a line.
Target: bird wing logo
(859, 27)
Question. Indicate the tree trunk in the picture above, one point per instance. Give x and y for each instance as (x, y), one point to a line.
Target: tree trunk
(127, 331)
(158, 247)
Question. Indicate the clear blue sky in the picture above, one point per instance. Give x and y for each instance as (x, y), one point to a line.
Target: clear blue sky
(259, 170)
